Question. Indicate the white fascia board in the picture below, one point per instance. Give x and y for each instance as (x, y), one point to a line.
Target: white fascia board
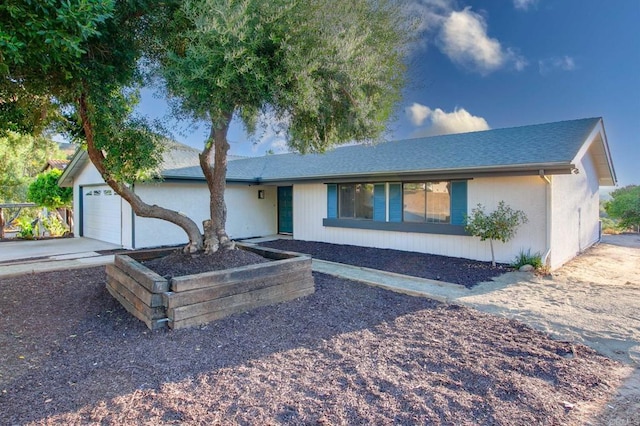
(76, 164)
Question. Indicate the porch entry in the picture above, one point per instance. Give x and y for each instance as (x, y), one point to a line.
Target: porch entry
(285, 210)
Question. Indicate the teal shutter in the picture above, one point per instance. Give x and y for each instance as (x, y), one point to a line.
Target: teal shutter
(379, 203)
(332, 201)
(395, 202)
(458, 202)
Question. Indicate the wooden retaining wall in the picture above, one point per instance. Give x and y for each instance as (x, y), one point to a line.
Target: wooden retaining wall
(197, 299)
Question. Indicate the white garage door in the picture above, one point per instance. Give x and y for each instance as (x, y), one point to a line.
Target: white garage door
(101, 214)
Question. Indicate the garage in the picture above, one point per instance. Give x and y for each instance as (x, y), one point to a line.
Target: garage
(101, 214)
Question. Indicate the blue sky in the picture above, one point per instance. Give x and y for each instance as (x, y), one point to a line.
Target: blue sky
(503, 63)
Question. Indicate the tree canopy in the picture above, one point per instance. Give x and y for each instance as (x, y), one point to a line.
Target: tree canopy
(330, 71)
(625, 206)
(22, 157)
(45, 192)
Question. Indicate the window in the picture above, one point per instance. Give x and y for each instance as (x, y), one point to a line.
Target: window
(428, 202)
(355, 201)
(436, 207)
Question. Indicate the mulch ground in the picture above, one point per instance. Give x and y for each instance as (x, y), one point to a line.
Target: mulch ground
(177, 263)
(442, 268)
(348, 354)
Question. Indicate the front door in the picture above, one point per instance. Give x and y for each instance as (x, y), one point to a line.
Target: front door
(285, 210)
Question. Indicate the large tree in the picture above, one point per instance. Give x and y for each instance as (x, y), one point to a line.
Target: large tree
(625, 206)
(331, 70)
(81, 57)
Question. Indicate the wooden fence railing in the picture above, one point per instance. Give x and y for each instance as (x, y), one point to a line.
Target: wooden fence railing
(10, 206)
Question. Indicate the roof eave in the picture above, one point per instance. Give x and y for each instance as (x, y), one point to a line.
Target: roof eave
(606, 173)
(78, 161)
(453, 173)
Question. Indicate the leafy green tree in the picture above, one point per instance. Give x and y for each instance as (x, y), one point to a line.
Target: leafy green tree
(625, 206)
(22, 157)
(332, 71)
(500, 225)
(45, 192)
(82, 57)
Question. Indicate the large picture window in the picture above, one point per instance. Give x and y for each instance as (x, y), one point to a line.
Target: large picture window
(433, 207)
(428, 202)
(355, 201)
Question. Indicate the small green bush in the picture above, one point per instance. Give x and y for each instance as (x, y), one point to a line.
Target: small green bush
(526, 258)
(27, 232)
(55, 226)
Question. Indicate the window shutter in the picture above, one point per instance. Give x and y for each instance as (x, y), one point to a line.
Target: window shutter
(332, 201)
(379, 203)
(395, 202)
(458, 202)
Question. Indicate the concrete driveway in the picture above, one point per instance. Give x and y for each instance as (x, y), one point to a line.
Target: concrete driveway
(20, 249)
(19, 257)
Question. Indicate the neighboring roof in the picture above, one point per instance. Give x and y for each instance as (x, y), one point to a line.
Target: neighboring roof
(55, 164)
(552, 148)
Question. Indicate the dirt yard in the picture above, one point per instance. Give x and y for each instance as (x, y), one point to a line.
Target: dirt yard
(594, 300)
(348, 354)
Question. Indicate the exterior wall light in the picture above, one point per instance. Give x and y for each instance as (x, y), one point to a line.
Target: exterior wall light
(261, 194)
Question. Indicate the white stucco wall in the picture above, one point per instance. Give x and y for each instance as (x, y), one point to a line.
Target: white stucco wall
(576, 212)
(524, 193)
(247, 216)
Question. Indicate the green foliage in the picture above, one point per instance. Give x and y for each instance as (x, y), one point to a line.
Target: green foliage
(45, 192)
(59, 27)
(330, 70)
(133, 148)
(501, 224)
(610, 226)
(526, 258)
(27, 231)
(625, 206)
(42, 42)
(55, 226)
(22, 157)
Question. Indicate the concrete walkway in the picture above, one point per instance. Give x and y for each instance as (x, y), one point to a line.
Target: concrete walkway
(413, 286)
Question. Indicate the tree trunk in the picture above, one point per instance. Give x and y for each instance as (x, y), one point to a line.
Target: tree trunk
(140, 208)
(215, 235)
(493, 258)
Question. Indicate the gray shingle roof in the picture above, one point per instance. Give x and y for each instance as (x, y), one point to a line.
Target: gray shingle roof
(542, 144)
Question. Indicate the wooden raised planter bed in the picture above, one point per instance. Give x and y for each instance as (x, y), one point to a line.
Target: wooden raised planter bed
(201, 298)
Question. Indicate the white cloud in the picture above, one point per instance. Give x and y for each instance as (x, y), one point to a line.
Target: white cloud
(524, 4)
(431, 13)
(564, 63)
(441, 122)
(418, 113)
(464, 39)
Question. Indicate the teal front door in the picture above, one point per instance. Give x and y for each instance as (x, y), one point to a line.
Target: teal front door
(285, 210)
